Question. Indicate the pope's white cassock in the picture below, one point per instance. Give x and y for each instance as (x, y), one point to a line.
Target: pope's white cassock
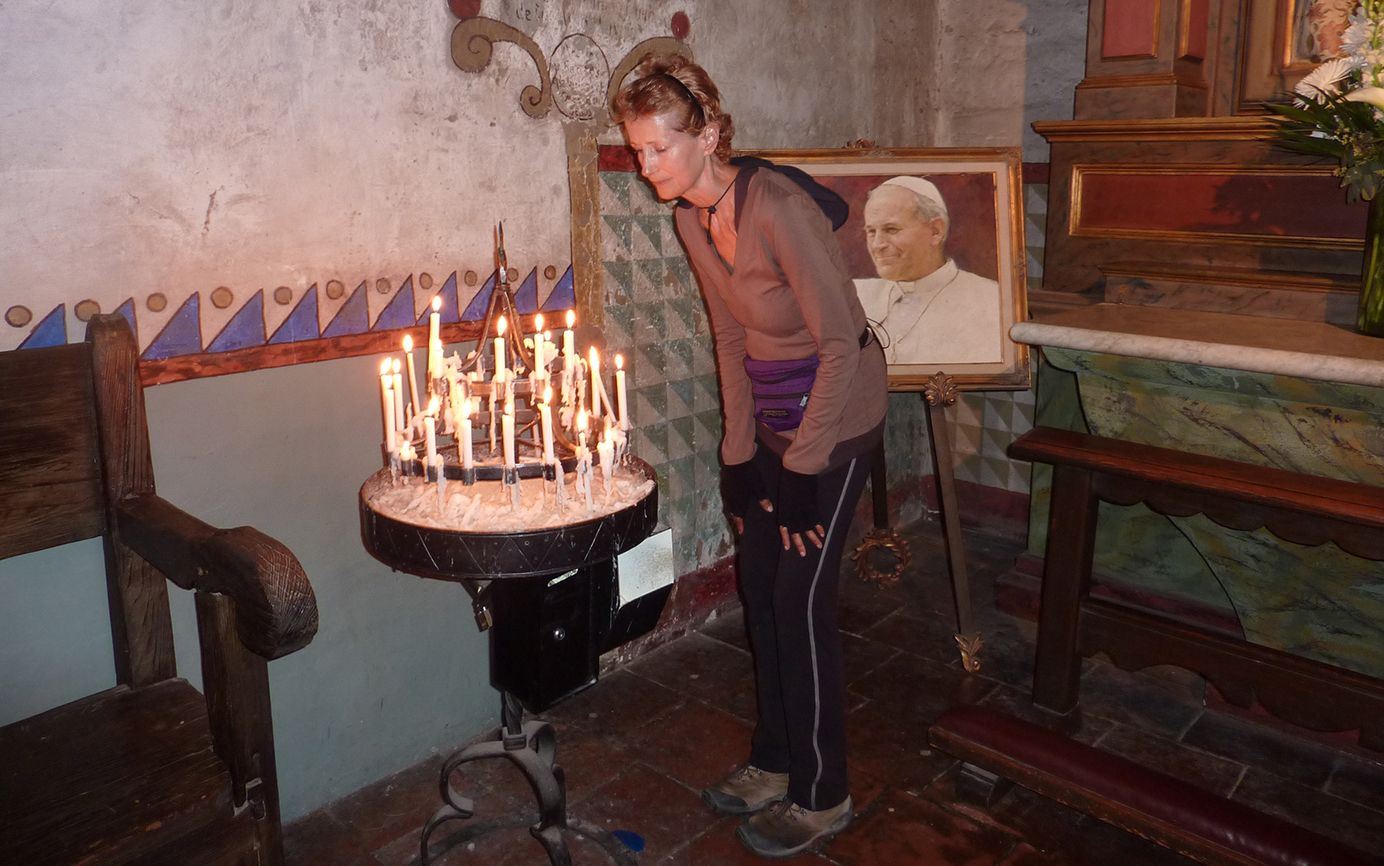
(950, 316)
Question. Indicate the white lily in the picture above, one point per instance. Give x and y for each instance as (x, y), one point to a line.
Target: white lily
(1373, 95)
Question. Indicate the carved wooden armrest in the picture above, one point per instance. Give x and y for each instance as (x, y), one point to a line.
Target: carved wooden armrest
(275, 609)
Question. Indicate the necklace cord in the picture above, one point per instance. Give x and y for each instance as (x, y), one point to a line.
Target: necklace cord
(711, 211)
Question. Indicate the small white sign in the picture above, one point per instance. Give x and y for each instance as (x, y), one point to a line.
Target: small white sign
(646, 567)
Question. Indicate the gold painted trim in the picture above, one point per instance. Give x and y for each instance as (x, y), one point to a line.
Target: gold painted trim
(1307, 283)
(1080, 171)
(1146, 79)
(1161, 129)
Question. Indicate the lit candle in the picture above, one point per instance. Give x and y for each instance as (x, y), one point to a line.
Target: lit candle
(464, 425)
(507, 423)
(569, 339)
(500, 365)
(538, 366)
(620, 392)
(387, 404)
(545, 419)
(435, 340)
(417, 407)
(595, 382)
(398, 396)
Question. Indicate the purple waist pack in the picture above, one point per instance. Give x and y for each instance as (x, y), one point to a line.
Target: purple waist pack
(780, 390)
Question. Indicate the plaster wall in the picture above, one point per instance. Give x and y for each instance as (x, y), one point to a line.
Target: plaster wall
(248, 145)
(1002, 64)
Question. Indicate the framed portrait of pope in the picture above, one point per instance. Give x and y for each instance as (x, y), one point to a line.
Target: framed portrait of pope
(934, 245)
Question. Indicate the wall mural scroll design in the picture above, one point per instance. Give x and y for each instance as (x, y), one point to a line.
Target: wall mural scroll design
(577, 79)
(473, 46)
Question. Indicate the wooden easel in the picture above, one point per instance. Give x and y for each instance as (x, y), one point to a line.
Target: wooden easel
(940, 393)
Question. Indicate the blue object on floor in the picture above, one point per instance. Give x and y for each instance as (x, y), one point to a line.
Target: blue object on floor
(629, 839)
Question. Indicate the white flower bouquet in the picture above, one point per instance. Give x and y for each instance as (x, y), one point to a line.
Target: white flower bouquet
(1337, 111)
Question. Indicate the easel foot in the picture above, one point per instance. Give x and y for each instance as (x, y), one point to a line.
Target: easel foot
(970, 646)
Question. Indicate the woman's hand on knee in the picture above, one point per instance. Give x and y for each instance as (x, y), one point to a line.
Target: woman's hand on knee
(795, 539)
(797, 499)
(738, 523)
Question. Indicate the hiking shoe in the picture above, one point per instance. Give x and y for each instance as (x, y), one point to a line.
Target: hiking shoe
(745, 791)
(788, 828)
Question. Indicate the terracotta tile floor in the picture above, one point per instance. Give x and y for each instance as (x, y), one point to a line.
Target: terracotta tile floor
(639, 745)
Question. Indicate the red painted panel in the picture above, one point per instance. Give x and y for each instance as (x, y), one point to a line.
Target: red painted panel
(1196, 18)
(1035, 173)
(616, 157)
(1218, 203)
(1131, 29)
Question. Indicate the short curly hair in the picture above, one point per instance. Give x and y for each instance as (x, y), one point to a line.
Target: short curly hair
(673, 84)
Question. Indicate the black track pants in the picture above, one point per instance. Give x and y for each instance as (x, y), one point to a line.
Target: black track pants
(790, 611)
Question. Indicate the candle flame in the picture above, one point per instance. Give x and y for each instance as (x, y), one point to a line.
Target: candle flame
(434, 405)
(595, 356)
(384, 367)
(619, 361)
(538, 322)
(408, 342)
(548, 394)
(437, 303)
(571, 318)
(500, 327)
(397, 366)
(581, 421)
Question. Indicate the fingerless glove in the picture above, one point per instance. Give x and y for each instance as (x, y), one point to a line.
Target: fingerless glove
(740, 486)
(796, 506)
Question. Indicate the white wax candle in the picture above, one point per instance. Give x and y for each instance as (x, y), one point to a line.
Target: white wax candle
(538, 356)
(430, 438)
(398, 396)
(412, 376)
(569, 339)
(387, 404)
(435, 340)
(464, 425)
(606, 450)
(454, 397)
(620, 392)
(500, 363)
(507, 423)
(545, 419)
(595, 383)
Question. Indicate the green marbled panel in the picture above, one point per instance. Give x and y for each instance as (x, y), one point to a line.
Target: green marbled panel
(1317, 602)
(1134, 546)
(1316, 428)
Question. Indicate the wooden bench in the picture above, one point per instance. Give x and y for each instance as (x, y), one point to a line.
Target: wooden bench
(1299, 508)
(149, 772)
(1177, 815)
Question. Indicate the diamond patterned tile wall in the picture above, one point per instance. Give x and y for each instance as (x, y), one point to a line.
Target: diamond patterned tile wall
(654, 312)
(654, 315)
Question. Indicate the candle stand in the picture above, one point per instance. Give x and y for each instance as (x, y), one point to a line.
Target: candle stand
(549, 600)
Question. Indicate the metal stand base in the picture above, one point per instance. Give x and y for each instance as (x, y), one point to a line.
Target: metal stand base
(532, 747)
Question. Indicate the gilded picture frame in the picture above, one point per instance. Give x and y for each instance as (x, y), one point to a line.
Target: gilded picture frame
(955, 319)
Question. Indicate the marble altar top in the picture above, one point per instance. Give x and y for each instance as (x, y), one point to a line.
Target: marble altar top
(1307, 350)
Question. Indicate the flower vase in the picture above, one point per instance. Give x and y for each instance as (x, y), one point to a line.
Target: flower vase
(1370, 319)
